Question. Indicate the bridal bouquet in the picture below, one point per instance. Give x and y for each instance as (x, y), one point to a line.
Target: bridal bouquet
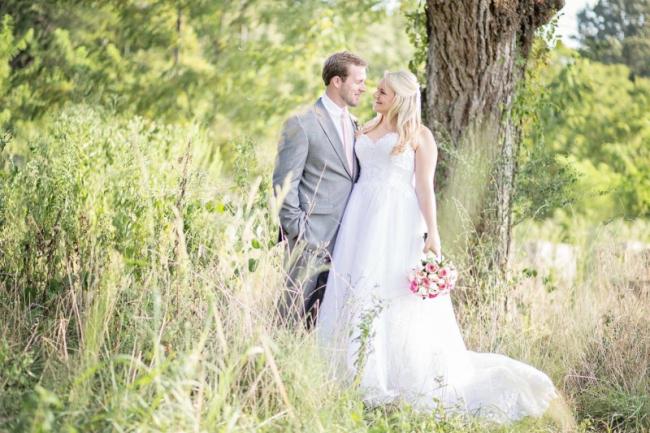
(434, 277)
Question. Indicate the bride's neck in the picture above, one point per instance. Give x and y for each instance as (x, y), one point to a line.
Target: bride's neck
(388, 126)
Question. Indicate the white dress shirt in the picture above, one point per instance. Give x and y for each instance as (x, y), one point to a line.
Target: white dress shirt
(335, 114)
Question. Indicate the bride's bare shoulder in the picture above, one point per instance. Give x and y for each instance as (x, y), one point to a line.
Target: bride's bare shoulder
(425, 138)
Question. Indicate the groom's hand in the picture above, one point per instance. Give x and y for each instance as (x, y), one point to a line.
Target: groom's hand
(289, 166)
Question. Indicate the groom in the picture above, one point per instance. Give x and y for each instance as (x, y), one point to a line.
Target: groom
(316, 159)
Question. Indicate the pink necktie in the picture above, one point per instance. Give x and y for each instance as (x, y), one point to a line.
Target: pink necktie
(345, 131)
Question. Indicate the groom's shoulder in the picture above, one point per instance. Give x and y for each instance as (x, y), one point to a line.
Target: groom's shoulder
(303, 114)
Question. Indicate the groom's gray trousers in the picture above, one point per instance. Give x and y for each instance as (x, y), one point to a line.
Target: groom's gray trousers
(313, 174)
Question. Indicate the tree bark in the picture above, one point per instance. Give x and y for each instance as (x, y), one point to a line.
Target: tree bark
(477, 52)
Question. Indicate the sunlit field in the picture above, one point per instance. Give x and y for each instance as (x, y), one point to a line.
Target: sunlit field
(137, 296)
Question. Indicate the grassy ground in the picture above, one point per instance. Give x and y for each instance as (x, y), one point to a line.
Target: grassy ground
(136, 296)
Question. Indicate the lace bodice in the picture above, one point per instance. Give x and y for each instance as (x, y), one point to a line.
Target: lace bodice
(379, 166)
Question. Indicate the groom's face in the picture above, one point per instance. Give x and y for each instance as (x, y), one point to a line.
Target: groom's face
(354, 85)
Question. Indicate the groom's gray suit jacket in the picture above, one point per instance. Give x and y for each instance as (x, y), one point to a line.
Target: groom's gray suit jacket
(311, 155)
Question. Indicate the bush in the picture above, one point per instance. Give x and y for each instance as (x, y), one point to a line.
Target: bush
(92, 184)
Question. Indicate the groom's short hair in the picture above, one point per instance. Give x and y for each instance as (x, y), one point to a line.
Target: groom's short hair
(337, 64)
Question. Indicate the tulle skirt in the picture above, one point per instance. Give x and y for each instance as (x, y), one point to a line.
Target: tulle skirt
(397, 346)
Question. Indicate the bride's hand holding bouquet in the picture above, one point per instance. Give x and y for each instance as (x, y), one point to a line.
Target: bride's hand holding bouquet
(436, 275)
(432, 244)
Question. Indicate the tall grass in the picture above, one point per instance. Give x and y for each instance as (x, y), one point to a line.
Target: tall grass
(600, 326)
(139, 294)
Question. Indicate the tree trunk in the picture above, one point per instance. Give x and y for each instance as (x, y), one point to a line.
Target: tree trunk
(477, 51)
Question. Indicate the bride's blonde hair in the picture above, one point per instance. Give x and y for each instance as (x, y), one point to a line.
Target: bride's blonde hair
(405, 109)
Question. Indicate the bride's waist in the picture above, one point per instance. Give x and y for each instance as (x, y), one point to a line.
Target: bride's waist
(401, 182)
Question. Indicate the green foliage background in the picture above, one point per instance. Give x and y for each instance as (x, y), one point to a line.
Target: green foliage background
(598, 119)
(236, 69)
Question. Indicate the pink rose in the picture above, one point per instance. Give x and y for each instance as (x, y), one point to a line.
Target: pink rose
(431, 267)
(442, 273)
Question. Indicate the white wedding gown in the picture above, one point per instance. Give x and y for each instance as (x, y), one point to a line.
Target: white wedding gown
(414, 350)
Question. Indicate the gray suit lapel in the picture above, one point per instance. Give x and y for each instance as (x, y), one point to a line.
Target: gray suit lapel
(326, 123)
(355, 160)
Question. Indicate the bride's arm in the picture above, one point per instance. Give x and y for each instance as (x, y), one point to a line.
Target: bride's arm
(426, 155)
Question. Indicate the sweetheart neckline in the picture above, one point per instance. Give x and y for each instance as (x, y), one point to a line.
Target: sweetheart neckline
(379, 139)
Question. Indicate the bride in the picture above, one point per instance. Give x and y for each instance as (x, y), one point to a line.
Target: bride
(378, 335)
